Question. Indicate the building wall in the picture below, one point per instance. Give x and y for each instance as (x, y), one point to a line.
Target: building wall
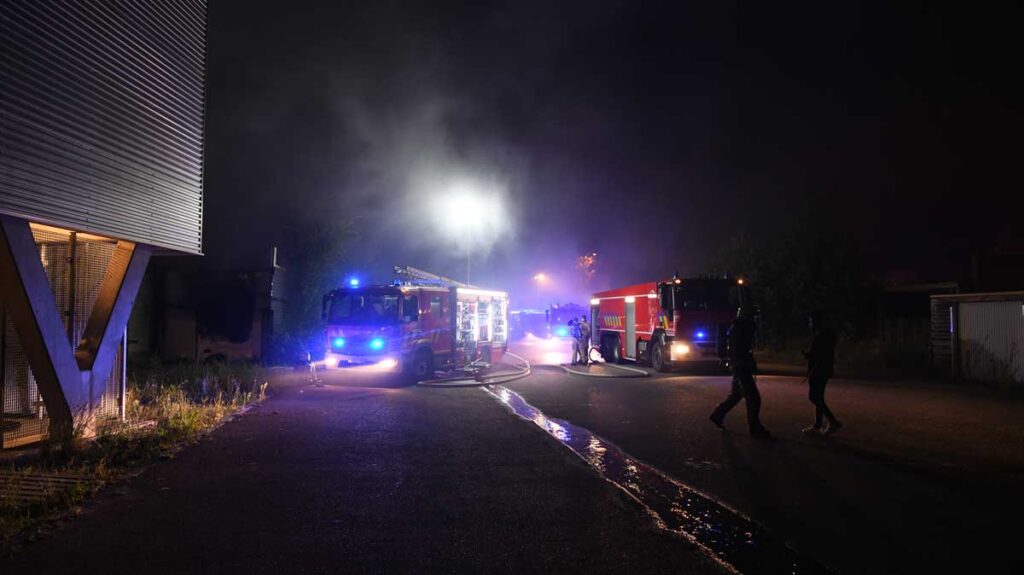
(101, 117)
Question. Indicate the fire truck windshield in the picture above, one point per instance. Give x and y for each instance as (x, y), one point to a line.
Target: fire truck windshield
(363, 308)
(711, 295)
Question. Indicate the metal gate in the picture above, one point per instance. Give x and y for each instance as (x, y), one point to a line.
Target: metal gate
(991, 340)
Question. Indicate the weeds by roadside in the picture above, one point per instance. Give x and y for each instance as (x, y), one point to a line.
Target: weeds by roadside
(167, 407)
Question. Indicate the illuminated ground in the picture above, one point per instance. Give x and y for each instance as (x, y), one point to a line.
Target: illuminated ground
(365, 475)
(923, 477)
(368, 474)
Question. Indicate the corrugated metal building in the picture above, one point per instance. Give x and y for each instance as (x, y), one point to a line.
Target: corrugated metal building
(102, 117)
(101, 163)
(979, 337)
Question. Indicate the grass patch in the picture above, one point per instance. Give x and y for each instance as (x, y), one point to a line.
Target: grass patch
(167, 408)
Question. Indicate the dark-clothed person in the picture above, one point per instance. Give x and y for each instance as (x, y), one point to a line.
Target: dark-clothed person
(744, 373)
(584, 341)
(821, 360)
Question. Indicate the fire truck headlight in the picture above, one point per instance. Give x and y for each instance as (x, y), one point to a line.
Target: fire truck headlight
(388, 364)
(377, 344)
(680, 349)
(338, 343)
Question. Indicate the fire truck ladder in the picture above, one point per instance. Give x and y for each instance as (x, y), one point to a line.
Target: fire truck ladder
(412, 273)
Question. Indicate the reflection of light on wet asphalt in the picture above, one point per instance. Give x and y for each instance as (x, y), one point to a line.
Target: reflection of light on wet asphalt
(555, 358)
(544, 351)
(724, 533)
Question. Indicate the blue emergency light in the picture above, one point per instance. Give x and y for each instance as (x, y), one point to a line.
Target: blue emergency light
(377, 343)
(338, 342)
(354, 282)
(700, 335)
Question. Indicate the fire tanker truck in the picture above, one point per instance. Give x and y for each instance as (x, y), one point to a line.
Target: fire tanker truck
(419, 323)
(667, 323)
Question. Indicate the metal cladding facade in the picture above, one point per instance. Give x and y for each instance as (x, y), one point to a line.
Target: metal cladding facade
(991, 342)
(101, 117)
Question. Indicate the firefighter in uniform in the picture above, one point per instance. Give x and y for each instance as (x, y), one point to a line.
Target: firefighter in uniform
(744, 374)
(584, 340)
(574, 333)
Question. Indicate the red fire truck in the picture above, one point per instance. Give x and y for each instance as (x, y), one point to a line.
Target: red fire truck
(667, 323)
(418, 325)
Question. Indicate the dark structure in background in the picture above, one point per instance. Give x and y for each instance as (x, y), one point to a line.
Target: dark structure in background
(906, 323)
(101, 165)
(185, 311)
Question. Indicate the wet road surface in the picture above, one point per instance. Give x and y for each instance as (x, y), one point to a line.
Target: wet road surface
(737, 541)
(922, 478)
(368, 474)
(364, 475)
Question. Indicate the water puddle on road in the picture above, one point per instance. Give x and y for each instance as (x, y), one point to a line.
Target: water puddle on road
(731, 538)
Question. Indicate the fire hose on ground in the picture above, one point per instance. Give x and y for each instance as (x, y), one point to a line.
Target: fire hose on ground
(481, 377)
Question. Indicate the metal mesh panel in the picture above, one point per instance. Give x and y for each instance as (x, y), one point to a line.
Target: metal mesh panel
(92, 256)
(75, 266)
(23, 419)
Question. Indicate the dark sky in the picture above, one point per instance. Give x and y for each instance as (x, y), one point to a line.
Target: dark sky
(649, 133)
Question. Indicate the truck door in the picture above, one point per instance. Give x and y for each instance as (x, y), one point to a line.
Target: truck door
(630, 328)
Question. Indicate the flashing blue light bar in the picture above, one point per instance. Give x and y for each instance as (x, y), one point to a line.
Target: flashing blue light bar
(562, 332)
(377, 343)
(354, 282)
(700, 335)
(338, 342)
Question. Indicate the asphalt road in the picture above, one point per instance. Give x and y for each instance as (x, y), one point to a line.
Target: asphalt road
(364, 475)
(923, 478)
(368, 474)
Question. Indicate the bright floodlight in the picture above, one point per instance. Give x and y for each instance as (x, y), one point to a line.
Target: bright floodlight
(471, 208)
(471, 213)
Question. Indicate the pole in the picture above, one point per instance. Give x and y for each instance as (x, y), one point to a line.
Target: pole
(469, 245)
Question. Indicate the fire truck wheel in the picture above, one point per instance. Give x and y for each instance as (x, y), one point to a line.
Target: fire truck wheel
(658, 357)
(610, 349)
(423, 365)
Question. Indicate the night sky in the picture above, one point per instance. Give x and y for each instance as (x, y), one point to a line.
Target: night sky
(649, 133)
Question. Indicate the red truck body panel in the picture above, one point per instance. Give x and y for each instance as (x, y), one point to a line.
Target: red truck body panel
(456, 325)
(628, 318)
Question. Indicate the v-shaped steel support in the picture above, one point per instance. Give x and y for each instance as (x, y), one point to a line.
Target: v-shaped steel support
(72, 384)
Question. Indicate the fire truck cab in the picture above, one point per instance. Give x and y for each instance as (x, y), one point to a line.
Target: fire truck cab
(415, 327)
(667, 323)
